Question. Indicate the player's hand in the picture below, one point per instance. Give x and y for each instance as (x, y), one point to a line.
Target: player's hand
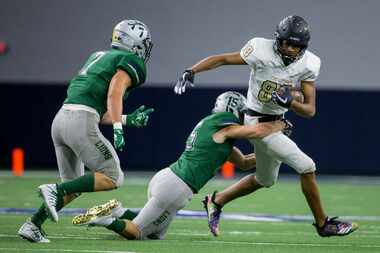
(186, 79)
(139, 118)
(288, 129)
(118, 136)
(282, 97)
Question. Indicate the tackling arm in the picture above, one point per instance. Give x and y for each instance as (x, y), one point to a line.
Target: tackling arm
(307, 108)
(259, 130)
(244, 162)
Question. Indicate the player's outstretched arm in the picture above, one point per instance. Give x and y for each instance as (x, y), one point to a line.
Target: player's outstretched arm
(214, 61)
(258, 131)
(209, 63)
(244, 162)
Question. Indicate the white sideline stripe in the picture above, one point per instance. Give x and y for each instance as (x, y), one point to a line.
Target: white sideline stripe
(292, 244)
(67, 250)
(216, 242)
(260, 233)
(60, 237)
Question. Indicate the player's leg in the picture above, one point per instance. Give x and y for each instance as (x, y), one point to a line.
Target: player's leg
(266, 175)
(83, 136)
(155, 217)
(249, 183)
(266, 168)
(100, 157)
(288, 152)
(243, 187)
(164, 202)
(162, 229)
(70, 167)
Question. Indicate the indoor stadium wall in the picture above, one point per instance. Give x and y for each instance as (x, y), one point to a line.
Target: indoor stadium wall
(342, 138)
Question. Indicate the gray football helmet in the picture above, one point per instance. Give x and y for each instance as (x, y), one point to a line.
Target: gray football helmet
(230, 101)
(134, 36)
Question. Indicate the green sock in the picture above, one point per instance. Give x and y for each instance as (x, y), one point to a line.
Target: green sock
(81, 184)
(117, 226)
(40, 216)
(128, 215)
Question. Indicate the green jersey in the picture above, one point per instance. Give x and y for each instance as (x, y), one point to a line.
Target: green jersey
(203, 157)
(90, 86)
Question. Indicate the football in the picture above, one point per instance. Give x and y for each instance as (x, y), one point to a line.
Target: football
(297, 95)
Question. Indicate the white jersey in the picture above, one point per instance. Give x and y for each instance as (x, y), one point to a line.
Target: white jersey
(269, 72)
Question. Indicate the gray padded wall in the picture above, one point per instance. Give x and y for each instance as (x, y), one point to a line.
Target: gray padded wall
(51, 39)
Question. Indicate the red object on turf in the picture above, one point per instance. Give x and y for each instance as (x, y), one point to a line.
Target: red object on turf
(228, 170)
(18, 162)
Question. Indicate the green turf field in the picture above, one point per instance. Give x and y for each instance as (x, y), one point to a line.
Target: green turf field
(347, 197)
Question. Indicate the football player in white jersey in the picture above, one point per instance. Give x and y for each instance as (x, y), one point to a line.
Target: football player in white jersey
(277, 66)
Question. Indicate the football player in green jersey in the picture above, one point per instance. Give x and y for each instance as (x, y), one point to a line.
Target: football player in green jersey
(208, 146)
(95, 95)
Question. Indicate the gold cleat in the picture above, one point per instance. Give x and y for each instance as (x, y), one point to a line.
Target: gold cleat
(96, 211)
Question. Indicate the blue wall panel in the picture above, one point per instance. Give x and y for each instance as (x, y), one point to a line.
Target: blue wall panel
(341, 138)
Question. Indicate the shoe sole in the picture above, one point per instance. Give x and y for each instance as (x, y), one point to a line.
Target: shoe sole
(26, 238)
(52, 217)
(95, 212)
(29, 240)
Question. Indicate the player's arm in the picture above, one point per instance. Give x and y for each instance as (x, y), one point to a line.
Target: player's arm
(307, 108)
(216, 61)
(244, 162)
(118, 85)
(205, 64)
(258, 131)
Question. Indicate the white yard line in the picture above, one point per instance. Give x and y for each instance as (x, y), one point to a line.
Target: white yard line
(65, 250)
(293, 244)
(184, 232)
(377, 246)
(59, 237)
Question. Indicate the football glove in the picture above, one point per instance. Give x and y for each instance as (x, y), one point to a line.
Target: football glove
(282, 97)
(118, 136)
(288, 129)
(138, 118)
(186, 79)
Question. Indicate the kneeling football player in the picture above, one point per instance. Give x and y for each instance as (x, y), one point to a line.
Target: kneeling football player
(209, 145)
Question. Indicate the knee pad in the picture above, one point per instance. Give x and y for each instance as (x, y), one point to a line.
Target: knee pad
(267, 182)
(120, 179)
(116, 175)
(307, 166)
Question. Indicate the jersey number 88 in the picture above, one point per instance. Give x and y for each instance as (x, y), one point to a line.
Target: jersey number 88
(267, 88)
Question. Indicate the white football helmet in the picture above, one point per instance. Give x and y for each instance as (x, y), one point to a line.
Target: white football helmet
(134, 36)
(230, 101)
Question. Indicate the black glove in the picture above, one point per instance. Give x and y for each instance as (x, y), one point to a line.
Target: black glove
(282, 97)
(186, 79)
(288, 129)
